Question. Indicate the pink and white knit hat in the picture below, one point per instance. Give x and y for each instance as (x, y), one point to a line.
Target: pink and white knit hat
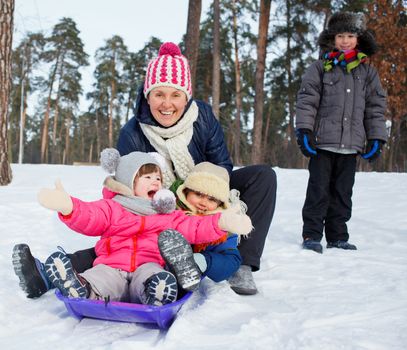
(170, 68)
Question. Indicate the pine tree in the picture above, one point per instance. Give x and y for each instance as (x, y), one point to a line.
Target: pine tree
(134, 71)
(293, 41)
(26, 58)
(111, 59)
(192, 36)
(257, 152)
(65, 52)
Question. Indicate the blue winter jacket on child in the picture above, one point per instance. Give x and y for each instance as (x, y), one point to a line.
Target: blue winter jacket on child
(223, 259)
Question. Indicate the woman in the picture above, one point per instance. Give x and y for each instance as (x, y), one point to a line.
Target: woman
(185, 131)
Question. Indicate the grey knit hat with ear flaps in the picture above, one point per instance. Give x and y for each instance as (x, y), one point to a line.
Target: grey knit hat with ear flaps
(126, 167)
(348, 22)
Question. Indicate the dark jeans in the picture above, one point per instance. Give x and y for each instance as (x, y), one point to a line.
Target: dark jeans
(329, 196)
(257, 185)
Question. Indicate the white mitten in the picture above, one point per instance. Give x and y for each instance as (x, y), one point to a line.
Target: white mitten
(235, 223)
(56, 199)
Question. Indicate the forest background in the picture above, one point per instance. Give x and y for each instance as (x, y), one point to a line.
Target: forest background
(247, 59)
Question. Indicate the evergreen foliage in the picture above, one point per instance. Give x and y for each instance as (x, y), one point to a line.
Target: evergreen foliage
(54, 129)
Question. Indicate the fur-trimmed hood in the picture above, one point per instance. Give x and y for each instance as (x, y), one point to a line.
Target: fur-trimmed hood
(351, 22)
(117, 187)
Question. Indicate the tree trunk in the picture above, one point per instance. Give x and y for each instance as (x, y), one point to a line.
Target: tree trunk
(55, 153)
(216, 59)
(98, 131)
(90, 159)
(54, 150)
(6, 39)
(67, 139)
(113, 88)
(237, 127)
(129, 104)
(23, 112)
(257, 155)
(291, 95)
(192, 36)
(44, 137)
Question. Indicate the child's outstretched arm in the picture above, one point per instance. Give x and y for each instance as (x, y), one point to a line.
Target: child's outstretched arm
(56, 199)
(205, 229)
(91, 219)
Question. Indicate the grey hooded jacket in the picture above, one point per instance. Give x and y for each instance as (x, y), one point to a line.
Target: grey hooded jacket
(342, 109)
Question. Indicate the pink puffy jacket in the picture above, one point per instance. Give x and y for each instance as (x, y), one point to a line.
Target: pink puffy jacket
(129, 240)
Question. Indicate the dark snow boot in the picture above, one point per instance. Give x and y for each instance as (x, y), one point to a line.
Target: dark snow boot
(341, 245)
(60, 272)
(160, 289)
(30, 271)
(311, 244)
(179, 257)
(242, 282)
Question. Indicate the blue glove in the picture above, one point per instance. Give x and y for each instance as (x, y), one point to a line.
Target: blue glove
(373, 150)
(306, 141)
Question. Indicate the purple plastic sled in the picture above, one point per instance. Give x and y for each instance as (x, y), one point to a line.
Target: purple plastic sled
(163, 316)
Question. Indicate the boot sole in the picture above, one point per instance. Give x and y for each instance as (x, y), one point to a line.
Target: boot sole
(178, 255)
(60, 272)
(27, 272)
(161, 289)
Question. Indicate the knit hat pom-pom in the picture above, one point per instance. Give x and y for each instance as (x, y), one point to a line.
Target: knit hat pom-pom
(164, 201)
(109, 159)
(169, 49)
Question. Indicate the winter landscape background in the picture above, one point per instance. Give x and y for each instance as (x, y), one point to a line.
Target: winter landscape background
(338, 300)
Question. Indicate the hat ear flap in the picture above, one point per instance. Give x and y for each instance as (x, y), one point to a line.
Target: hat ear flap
(367, 43)
(109, 159)
(326, 41)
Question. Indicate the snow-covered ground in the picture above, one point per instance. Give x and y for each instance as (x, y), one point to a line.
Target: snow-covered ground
(338, 300)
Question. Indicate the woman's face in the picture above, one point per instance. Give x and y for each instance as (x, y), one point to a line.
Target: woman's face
(345, 41)
(167, 104)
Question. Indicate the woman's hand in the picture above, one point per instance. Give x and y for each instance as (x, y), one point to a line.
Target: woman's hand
(235, 222)
(56, 199)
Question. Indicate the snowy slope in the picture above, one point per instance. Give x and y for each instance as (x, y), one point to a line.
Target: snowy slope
(338, 300)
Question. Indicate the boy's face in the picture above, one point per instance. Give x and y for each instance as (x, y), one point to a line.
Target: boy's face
(346, 41)
(147, 185)
(202, 202)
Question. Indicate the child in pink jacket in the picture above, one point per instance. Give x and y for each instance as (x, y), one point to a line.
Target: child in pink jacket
(129, 266)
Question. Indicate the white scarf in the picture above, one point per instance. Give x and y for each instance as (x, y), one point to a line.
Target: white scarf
(172, 143)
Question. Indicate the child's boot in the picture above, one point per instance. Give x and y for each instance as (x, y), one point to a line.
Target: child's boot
(341, 245)
(30, 271)
(178, 255)
(60, 272)
(160, 289)
(312, 244)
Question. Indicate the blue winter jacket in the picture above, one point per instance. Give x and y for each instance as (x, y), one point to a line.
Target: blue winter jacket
(223, 259)
(207, 143)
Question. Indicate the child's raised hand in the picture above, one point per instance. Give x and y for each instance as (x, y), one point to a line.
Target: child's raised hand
(235, 222)
(56, 199)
